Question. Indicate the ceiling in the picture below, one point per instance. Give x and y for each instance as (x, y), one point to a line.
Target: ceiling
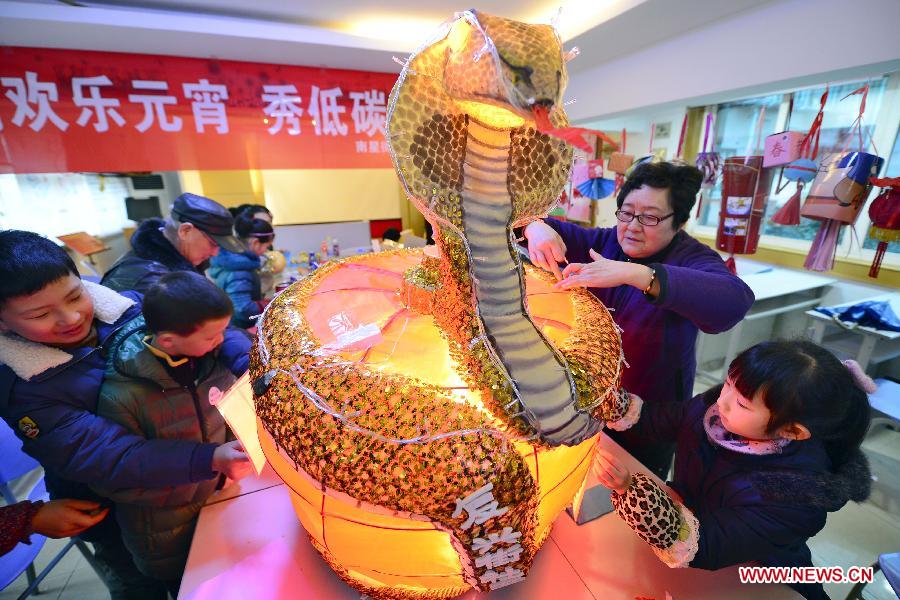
(337, 33)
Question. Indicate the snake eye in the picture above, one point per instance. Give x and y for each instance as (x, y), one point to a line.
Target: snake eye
(518, 74)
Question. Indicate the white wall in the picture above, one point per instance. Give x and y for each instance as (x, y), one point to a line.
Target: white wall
(117, 243)
(776, 45)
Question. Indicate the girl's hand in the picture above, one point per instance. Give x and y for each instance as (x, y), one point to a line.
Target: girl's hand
(546, 248)
(611, 473)
(604, 273)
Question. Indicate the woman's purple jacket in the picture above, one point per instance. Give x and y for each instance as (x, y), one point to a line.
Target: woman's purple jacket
(697, 291)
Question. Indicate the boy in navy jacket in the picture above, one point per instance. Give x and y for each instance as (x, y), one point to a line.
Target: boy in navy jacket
(52, 330)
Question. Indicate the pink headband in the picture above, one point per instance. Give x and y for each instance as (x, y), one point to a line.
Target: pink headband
(862, 380)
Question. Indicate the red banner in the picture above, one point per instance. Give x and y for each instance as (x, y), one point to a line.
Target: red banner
(73, 110)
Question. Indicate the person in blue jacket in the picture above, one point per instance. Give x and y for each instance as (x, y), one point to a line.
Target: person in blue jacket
(760, 462)
(237, 273)
(53, 327)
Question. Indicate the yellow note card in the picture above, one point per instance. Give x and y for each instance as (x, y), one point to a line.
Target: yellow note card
(236, 406)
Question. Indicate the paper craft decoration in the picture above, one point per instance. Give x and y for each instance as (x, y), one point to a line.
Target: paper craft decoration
(707, 161)
(841, 186)
(432, 411)
(839, 191)
(885, 215)
(782, 148)
(803, 168)
(596, 186)
(745, 191)
(745, 187)
(236, 406)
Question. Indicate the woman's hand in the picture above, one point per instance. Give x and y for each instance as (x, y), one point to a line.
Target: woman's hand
(67, 518)
(611, 473)
(604, 273)
(545, 247)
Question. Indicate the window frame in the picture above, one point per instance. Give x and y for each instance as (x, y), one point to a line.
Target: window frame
(886, 130)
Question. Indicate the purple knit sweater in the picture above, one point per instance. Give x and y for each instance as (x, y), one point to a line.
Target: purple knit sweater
(697, 291)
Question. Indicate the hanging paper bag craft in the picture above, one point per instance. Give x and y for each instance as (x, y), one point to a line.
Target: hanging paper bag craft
(782, 148)
(841, 187)
(596, 186)
(885, 215)
(745, 186)
(708, 161)
(839, 191)
(595, 169)
(803, 169)
(620, 162)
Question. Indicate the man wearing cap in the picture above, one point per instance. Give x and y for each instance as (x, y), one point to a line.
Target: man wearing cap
(193, 234)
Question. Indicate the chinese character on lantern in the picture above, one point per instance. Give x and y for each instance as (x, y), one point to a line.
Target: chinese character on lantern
(154, 105)
(283, 106)
(501, 557)
(361, 147)
(29, 91)
(369, 112)
(507, 536)
(92, 103)
(479, 506)
(496, 580)
(207, 104)
(326, 112)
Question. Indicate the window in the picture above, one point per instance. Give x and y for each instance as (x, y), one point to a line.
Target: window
(736, 128)
(735, 133)
(54, 204)
(836, 122)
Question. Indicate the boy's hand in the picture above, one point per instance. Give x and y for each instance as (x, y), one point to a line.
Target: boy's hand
(66, 518)
(231, 459)
(611, 473)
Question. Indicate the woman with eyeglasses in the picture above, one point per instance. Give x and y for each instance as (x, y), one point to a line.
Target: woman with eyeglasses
(238, 273)
(663, 285)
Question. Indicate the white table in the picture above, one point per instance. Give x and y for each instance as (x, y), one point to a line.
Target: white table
(870, 337)
(249, 544)
(778, 291)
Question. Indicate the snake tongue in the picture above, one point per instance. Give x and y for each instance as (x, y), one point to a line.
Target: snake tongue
(571, 135)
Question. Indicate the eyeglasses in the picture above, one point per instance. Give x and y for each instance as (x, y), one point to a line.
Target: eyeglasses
(648, 220)
(214, 243)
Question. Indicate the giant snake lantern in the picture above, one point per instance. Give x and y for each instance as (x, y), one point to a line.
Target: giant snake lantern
(433, 412)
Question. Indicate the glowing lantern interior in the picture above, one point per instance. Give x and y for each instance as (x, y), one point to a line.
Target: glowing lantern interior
(377, 548)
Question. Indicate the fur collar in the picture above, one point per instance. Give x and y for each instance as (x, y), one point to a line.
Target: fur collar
(828, 490)
(28, 359)
(149, 243)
